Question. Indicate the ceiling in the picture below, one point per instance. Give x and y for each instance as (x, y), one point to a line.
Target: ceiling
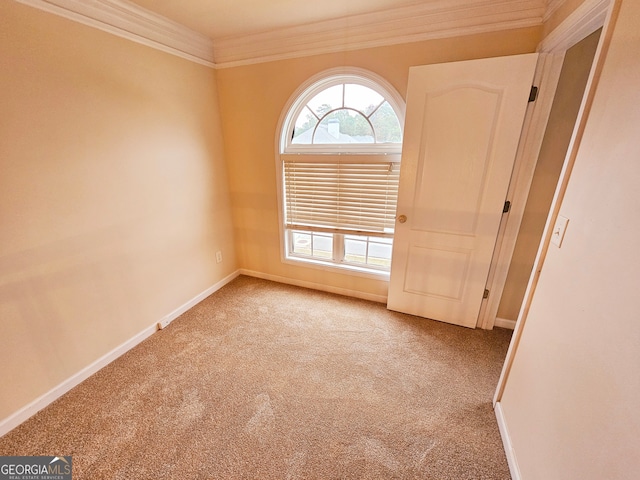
(232, 18)
(226, 33)
(219, 19)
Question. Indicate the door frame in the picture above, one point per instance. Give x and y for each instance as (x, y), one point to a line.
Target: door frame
(546, 79)
(586, 19)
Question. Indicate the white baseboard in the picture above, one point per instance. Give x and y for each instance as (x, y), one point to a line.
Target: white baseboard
(56, 392)
(316, 286)
(167, 319)
(505, 323)
(15, 419)
(506, 442)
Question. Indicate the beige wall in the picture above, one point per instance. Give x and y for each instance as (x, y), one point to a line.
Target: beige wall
(571, 400)
(252, 99)
(568, 97)
(113, 195)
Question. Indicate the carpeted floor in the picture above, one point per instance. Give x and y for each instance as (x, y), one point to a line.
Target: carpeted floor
(268, 381)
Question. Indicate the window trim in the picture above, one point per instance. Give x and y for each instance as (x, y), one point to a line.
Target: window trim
(326, 79)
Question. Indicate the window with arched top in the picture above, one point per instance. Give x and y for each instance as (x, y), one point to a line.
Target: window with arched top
(339, 164)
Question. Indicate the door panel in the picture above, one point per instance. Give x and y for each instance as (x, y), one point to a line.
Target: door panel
(446, 271)
(462, 128)
(450, 191)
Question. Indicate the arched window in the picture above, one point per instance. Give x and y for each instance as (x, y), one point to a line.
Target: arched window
(339, 163)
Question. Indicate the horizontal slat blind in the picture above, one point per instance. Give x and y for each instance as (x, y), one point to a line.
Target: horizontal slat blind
(342, 193)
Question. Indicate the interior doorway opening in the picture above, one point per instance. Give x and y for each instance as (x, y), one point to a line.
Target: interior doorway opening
(572, 82)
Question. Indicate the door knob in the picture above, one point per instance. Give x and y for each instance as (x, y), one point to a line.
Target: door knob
(402, 218)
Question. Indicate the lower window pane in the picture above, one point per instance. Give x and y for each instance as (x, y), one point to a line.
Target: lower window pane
(355, 249)
(359, 250)
(311, 244)
(373, 251)
(301, 243)
(322, 245)
(380, 251)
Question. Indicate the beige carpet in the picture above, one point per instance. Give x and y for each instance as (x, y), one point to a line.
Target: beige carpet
(267, 381)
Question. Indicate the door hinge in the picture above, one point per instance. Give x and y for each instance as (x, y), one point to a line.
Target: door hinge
(507, 207)
(486, 294)
(533, 94)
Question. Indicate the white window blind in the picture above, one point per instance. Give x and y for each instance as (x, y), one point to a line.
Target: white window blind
(341, 193)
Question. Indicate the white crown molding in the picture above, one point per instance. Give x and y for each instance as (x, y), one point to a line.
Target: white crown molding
(418, 22)
(584, 20)
(128, 20)
(552, 6)
(413, 23)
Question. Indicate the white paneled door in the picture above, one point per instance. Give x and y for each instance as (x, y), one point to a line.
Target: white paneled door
(462, 128)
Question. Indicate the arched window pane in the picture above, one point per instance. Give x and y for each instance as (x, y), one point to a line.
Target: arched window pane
(361, 98)
(344, 126)
(303, 129)
(346, 114)
(326, 100)
(386, 124)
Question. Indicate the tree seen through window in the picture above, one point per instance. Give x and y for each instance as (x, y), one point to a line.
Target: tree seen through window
(349, 120)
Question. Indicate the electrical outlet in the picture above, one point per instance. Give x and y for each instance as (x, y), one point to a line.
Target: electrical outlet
(164, 323)
(218, 256)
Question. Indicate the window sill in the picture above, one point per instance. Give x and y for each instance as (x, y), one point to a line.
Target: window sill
(344, 269)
